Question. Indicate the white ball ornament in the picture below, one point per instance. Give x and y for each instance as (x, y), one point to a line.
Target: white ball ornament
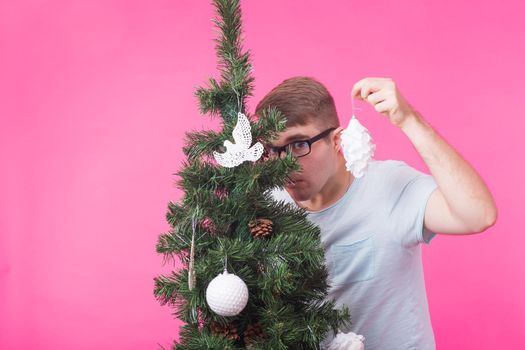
(227, 294)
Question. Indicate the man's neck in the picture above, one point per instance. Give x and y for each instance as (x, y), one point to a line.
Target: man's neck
(333, 190)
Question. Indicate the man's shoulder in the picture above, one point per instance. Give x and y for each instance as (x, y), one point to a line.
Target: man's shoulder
(379, 170)
(392, 167)
(384, 164)
(392, 174)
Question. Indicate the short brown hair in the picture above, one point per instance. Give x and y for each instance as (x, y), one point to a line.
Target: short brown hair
(302, 100)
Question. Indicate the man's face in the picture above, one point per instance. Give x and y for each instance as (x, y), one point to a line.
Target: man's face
(318, 166)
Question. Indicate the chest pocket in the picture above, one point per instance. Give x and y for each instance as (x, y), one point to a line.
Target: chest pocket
(353, 262)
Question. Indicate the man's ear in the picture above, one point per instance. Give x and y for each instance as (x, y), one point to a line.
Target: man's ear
(337, 138)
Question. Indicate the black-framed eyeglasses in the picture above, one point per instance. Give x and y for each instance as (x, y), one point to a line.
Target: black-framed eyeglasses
(298, 148)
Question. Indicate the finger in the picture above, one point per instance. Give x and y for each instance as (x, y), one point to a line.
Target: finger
(376, 97)
(366, 86)
(383, 107)
(356, 89)
(370, 87)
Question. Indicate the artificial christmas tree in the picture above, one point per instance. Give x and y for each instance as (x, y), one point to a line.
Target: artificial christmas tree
(227, 221)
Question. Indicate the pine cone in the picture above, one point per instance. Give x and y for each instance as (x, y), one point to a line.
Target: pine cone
(261, 228)
(253, 333)
(207, 225)
(228, 331)
(260, 268)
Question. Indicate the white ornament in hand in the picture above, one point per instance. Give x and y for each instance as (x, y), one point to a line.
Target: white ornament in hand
(357, 146)
(240, 151)
(227, 294)
(347, 341)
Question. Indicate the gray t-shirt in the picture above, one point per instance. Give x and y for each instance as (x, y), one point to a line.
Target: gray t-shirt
(372, 239)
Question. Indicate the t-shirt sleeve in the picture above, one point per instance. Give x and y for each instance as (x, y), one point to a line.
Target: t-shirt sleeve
(411, 190)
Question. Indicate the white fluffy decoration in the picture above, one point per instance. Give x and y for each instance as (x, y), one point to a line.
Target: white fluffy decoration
(240, 151)
(347, 341)
(227, 294)
(358, 148)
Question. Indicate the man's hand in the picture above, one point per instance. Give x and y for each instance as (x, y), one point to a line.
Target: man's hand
(462, 203)
(383, 94)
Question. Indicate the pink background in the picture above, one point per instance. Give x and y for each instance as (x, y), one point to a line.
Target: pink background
(95, 97)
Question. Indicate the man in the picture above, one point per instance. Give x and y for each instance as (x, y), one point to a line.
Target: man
(372, 226)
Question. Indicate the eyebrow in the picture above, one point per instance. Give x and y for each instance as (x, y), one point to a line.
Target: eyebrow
(296, 137)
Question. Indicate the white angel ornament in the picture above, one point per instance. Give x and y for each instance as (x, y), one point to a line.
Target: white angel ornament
(240, 151)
